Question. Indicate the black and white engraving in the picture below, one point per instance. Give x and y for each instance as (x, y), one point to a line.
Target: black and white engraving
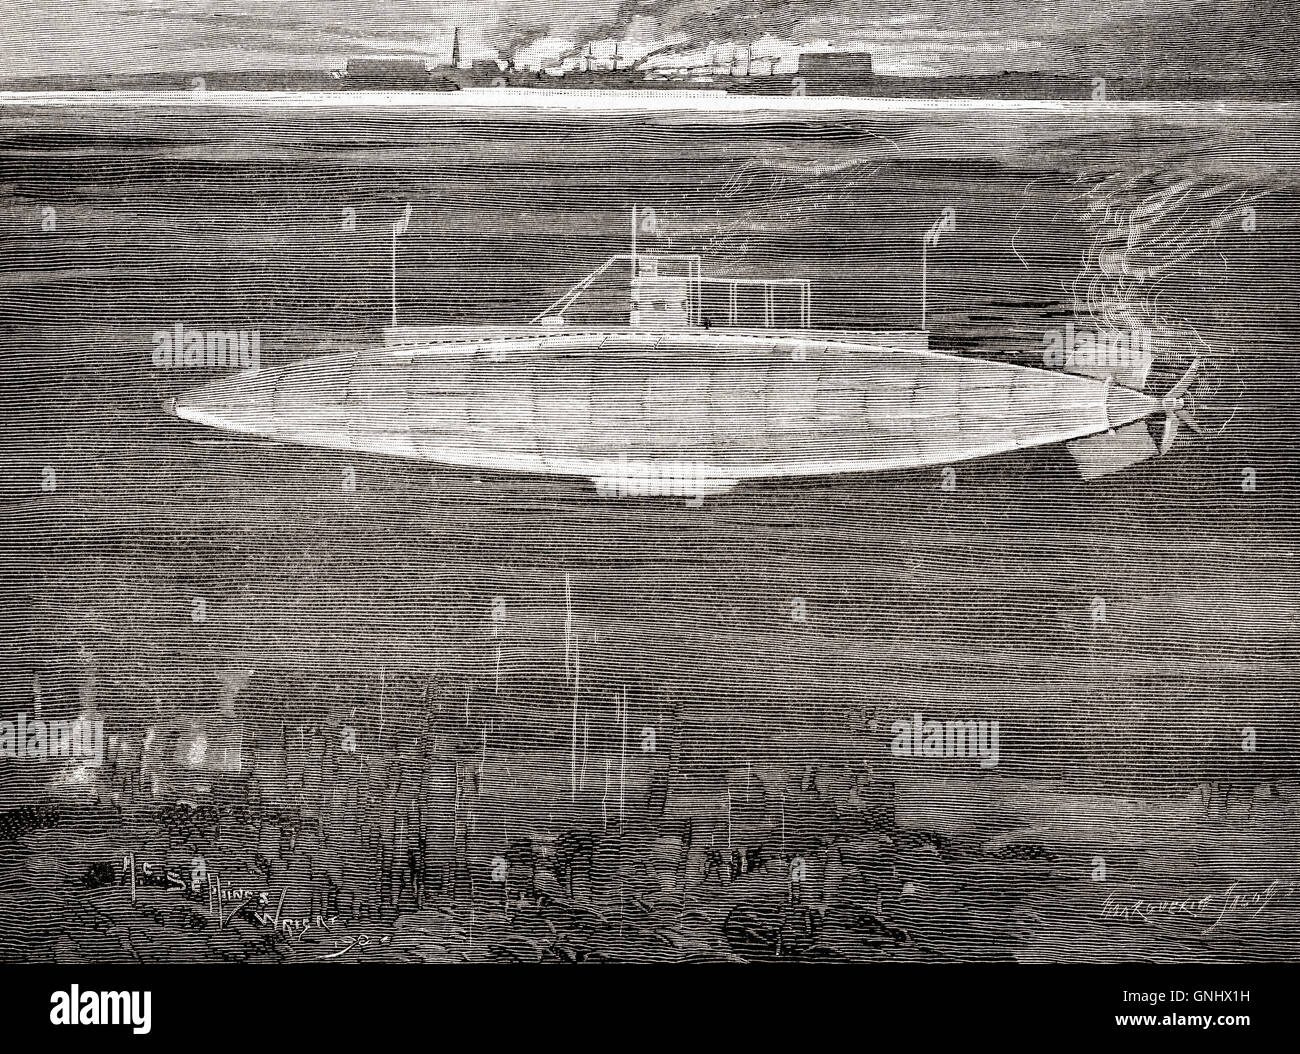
(656, 482)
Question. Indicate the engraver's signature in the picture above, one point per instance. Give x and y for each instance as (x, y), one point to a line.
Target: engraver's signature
(1233, 903)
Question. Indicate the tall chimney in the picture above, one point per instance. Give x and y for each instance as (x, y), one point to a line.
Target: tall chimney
(455, 47)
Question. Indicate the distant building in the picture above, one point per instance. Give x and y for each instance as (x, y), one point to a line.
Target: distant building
(835, 64)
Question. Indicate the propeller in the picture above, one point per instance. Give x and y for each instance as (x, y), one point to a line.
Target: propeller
(1176, 405)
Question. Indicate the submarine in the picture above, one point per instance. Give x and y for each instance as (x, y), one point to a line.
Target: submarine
(690, 397)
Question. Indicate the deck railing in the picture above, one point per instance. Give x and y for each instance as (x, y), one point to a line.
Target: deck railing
(645, 268)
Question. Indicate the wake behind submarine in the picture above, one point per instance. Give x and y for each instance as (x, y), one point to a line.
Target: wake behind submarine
(686, 399)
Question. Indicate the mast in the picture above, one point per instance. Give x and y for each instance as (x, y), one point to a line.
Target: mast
(398, 228)
(568, 623)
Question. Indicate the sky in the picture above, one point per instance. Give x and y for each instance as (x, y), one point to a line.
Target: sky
(1104, 37)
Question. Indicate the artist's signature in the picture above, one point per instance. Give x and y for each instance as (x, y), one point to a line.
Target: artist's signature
(1233, 903)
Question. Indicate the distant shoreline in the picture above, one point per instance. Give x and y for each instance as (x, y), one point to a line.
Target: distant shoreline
(712, 101)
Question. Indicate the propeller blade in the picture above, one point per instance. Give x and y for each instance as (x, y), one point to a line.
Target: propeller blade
(1191, 422)
(1186, 381)
(1171, 431)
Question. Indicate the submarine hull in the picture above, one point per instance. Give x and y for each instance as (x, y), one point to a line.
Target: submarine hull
(710, 408)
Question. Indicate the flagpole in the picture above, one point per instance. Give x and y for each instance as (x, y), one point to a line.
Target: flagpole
(947, 221)
(923, 270)
(568, 623)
